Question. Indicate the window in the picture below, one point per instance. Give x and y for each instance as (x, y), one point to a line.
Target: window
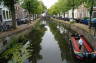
(4, 15)
(7, 16)
(94, 14)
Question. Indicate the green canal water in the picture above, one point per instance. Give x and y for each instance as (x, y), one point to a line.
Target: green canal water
(46, 42)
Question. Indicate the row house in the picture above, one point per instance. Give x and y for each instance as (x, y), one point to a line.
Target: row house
(81, 12)
(20, 12)
(5, 14)
(94, 12)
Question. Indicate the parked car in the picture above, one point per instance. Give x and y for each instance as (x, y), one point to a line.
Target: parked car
(93, 22)
(66, 19)
(22, 21)
(18, 21)
(78, 20)
(85, 21)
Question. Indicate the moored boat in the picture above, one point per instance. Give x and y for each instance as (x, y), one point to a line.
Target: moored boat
(86, 52)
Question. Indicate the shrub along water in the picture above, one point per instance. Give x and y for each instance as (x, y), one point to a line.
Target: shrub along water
(24, 45)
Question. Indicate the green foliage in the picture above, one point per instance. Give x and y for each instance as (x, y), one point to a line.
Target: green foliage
(25, 46)
(64, 5)
(41, 8)
(86, 18)
(9, 3)
(89, 3)
(33, 6)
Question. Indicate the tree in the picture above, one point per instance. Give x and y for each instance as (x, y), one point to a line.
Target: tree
(33, 7)
(74, 4)
(55, 9)
(90, 4)
(40, 9)
(65, 5)
(11, 5)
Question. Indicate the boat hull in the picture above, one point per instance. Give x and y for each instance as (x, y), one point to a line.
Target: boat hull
(82, 55)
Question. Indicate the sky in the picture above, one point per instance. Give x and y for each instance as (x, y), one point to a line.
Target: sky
(49, 3)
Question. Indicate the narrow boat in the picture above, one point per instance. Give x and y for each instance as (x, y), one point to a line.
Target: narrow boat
(86, 52)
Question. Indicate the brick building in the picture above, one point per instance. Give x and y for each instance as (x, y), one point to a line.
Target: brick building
(20, 12)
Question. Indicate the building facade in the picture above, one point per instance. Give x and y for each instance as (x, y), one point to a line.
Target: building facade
(79, 13)
(94, 12)
(5, 14)
(20, 12)
(82, 12)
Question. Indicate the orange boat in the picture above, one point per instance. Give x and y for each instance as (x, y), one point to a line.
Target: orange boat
(86, 52)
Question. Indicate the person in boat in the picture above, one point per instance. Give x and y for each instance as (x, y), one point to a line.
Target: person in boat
(80, 41)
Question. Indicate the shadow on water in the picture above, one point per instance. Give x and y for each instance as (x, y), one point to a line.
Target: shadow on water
(62, 35)
(62, 41)
(24, 48)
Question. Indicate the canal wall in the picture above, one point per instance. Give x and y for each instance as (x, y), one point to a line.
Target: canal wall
(18, 30)
(81, 29)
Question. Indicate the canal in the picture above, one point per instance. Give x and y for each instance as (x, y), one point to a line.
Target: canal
(46, 42)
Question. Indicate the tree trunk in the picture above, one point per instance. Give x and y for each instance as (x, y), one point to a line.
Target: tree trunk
(33, 16)
(91, 11)
(64, 14)
(90, 19)
(37, 15)
(73, 11)
(13, 16)
(59, 14)
(29, 18)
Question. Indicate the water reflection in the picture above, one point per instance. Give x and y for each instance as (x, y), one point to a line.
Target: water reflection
(24, 48)
(46, 42)
(63, 39)
(50, 50)
(65, 53)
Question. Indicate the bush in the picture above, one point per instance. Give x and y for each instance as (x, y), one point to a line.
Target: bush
(86, 18)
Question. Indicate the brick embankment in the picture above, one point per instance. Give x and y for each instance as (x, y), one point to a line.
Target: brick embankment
(81, 29)
(19, 29)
